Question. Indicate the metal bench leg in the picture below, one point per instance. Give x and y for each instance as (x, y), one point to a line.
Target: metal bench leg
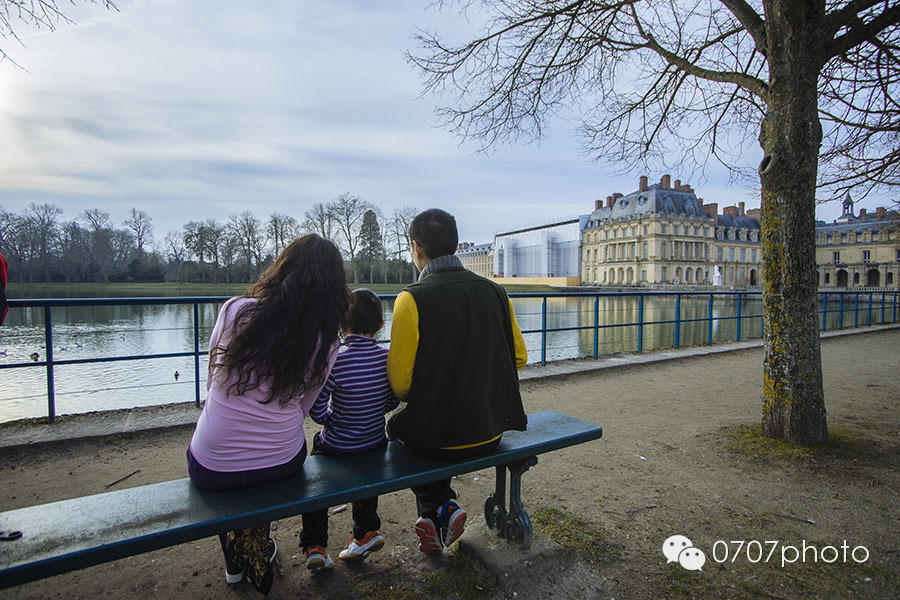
(516, 524)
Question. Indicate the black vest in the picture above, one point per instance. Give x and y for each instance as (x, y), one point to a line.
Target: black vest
(465, 387)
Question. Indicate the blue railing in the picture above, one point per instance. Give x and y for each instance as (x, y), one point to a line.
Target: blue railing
(865, 308)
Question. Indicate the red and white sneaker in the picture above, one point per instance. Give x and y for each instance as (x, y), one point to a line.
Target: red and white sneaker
(429, 540)
(359, 549)
(453, 522)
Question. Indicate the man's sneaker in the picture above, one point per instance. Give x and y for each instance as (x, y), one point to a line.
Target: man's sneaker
(359, 549)
(238, 576)
(453, 522)
(429, 541)
(317, 559)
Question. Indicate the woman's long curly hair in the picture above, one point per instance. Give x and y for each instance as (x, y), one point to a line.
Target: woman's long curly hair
(285, 337)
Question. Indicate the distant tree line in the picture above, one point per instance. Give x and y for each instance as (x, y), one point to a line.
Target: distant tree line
(41, 246)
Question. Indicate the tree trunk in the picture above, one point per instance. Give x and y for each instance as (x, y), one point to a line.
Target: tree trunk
(793, 401)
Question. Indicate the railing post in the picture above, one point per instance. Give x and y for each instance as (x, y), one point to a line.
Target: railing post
(738, 332)
(677, 321)
(640, 340)
(869, 317)
(841, 313)
(824, 312)
(197, 354)
(856, 312)
(709, 325)
(882, 307)
(544, 331)
(596, 325)
(48, 341)
(894, 319)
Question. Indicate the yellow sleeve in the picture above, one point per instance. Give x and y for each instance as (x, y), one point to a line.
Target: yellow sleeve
(404, 344)
(521, 351)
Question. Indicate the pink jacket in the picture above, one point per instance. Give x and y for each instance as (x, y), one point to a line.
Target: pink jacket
(238, 432)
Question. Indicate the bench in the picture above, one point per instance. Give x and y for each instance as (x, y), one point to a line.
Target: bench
(77, 533)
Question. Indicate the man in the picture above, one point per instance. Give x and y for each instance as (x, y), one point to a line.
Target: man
(454, 354)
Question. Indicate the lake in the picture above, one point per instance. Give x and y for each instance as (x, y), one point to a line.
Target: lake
(81, 332)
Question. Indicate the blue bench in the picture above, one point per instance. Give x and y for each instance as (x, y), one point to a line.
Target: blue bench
(77, 533)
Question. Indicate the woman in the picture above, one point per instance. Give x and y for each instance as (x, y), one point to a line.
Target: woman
(270, 352)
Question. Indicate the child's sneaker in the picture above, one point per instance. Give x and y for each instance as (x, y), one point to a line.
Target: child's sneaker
(453, 522)
(429, 540)
(359, 549)
(317, 559)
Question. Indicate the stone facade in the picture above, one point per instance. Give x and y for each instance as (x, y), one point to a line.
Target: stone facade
(478, 258)
(664, 234)
(859, 251)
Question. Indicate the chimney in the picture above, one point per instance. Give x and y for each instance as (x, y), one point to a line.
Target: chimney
(862, 213)
(609, 201)
(711, 209)
(730, 211)
(598, 204)
(880, 212)
(642, 183)
(741, 207)
(678, 185)
(616, 196)
(700, 200)
(755, 213)
(666, 181)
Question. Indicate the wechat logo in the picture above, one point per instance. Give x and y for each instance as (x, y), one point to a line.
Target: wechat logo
(678, 548)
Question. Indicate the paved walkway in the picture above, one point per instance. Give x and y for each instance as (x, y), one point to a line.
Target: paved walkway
(103, 423)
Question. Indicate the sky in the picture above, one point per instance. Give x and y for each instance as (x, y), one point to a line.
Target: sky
(197, 109)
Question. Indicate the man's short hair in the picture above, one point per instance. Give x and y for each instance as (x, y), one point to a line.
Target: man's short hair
(366, 315)
(435, 231)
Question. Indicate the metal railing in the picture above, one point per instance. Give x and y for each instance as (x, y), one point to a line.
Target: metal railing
(864, 308)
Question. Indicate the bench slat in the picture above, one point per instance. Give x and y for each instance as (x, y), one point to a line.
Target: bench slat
(72, 534)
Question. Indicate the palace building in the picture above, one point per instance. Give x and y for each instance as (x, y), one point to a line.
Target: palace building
(478, 258)
(859, 251)
(664, 234)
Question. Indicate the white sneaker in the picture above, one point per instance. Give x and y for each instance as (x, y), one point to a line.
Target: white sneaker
(359, 549)
(317, 559)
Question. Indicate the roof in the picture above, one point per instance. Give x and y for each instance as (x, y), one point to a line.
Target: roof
(655, 200)
(743, 222)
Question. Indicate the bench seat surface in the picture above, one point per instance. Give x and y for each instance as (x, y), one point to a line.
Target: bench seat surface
(71, 534)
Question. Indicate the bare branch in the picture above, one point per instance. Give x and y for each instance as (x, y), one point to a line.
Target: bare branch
(751, 21)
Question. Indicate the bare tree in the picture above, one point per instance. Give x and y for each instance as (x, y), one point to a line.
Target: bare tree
(175, 251)
(39, 14)
(347, 212)
(281, 229)
(320, 221)
(248, 231)
(141, 225)
(691, 82)
(398, 232)
(41, 223)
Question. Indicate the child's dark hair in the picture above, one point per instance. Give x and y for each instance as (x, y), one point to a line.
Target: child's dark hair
(435, 230)
(365, 315)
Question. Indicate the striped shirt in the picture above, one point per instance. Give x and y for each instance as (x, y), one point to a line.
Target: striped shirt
(360, 396)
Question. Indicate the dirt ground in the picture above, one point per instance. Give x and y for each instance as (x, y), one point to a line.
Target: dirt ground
(676, 458)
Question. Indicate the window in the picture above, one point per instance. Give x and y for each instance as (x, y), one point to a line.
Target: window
(696, 230)
(731, 255)
(664, 228)
(645, 249)
(606, 234)
(743, 255)
(827, 278)
(605, 253)
(753, 255)
(663, 277)
(866, 256)
(634, 231)
(643, 274)
(719, 254)
(898, 254)
(663, 251)
(615, 233)
(646, 229)
(836, 256)
(676, 229)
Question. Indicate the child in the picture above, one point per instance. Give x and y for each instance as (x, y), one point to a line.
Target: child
(353, 423)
